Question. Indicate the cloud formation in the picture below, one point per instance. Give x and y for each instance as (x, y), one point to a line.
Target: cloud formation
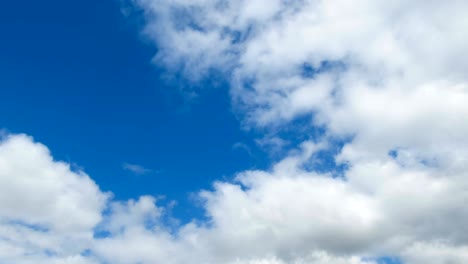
(387, 78)
(135, 168)
(47, 211)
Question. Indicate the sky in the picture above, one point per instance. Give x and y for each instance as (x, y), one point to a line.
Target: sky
(234, 132)
(79, 78)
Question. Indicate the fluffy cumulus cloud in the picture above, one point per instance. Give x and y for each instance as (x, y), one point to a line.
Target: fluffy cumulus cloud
(47, 211)
(386, 78)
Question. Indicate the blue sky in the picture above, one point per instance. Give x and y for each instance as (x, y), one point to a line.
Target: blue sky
(79, 78)
(233, 132)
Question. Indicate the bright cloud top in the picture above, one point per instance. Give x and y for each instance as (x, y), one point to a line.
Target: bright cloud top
(389, 75)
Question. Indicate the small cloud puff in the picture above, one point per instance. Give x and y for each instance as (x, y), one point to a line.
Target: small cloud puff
(136, 169)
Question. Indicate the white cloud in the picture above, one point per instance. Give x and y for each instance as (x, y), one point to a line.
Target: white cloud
(61, 231)
(389, 75)
(135, 168)
(47, 211)
(291, 215)
(285, 215)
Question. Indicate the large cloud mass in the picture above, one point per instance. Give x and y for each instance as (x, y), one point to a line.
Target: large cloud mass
(387, 78)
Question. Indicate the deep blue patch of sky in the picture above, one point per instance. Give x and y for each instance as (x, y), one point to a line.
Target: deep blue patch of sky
(78, 77)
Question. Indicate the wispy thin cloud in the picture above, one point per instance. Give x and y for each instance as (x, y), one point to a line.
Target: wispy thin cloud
(243, 147)
(136, 169)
